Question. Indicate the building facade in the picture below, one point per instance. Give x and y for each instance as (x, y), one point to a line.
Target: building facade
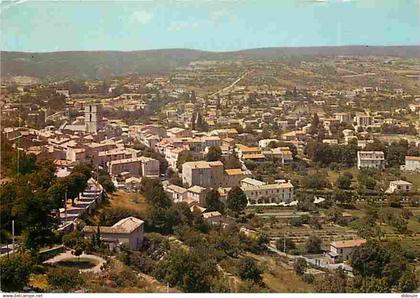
(128, 231)
(344, 248)
(202, 173)
(412, 163)
(370, 159)
(259, 193)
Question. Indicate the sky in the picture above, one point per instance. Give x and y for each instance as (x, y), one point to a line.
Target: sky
(215, 25)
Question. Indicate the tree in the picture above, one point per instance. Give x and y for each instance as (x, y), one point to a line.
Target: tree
(15, 271)
(44, 176)
(313, 245)
(105, 180)
(344, 181)
(399, 224)
(372, 285)
(388, 260)
(191, 271)
(283, 243)
(265, 134)
(296, 221)
(76, 183)
(314, 181)
(227, 242)
(231, 162)
(83, 169)
(32, 212)
(341, 197)
(395, 153)
(214, 153)
(213, 202)
(366, 181)
(154, 193)
(408, 281)
(326, 154)
(305, 202)
(368, 259)
(236, 199)
(65, 279)
(315, 123)
(300, 266)
(183, 157)
(335, 282)
(248, 270)
(174, 178)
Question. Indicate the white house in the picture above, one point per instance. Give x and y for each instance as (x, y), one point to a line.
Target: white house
(412, 163)
(344, 248)
(176, 193)
(370, 159)
(399, 186)
(265, 142)
(260, 193)
(128, 231)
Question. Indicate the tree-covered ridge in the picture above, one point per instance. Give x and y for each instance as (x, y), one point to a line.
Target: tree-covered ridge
(105, 64)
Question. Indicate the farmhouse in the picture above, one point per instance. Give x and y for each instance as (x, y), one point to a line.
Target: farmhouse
(129, 231)
(344, 248)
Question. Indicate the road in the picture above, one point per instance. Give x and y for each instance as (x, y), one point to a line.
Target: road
(316, 261)
(231, 85)
(7, 249)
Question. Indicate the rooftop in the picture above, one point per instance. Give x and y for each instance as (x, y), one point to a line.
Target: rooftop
(348, 243)
(124, 226)
(417, 158)
(232, 172)
(400, 182)
(196, 189)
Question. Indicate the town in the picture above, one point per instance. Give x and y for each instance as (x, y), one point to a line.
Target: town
(222, 176)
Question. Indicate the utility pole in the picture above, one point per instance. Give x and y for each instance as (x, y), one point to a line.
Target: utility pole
(18, 158)
(284, 242)
(13, 234)
(65, 205)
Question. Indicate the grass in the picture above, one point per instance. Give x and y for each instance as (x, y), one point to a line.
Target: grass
(413, 178)
(286, 281)
(280, 278)
(414, 225)
(144, 284)
(134, 202)
(333, 175)
(38, 281)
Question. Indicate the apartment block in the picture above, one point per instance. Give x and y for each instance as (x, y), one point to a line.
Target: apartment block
(260, 193)
(370, 159)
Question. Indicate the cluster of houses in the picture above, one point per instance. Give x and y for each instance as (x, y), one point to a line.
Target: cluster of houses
(91, 140)
(106, 144)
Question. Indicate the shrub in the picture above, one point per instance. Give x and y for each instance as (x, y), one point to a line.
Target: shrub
(299, 266)
(313, 244)
(65, 279)
(281, 243)
(344, 181)
(308, 278)
(394, 202)
(249, 270)
(15, 271)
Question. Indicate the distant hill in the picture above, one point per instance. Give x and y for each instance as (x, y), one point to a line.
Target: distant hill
(106, 64)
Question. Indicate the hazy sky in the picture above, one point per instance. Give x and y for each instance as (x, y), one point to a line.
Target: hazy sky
(207, 25)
